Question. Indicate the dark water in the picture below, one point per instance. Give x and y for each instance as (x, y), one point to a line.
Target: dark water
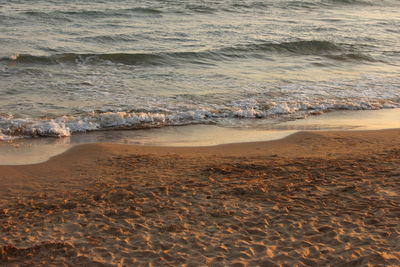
(73, 66)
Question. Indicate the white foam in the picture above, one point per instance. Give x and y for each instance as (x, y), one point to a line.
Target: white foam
(49, 128)
(16, 128)
(250, 109)
(4, 137)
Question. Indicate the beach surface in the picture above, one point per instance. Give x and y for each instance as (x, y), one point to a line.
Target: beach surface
(310, 199)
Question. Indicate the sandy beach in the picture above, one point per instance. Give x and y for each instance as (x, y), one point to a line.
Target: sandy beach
(200, 133)
(310, 199)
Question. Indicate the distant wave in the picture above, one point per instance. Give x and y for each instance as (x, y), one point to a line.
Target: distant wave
(314, 47)
(145, 10)
(352, 56)
(303, 4)
(325, 3)
(47, 16)
(357, 2)
(107, 38)
(94, 13)
(296, 47)
(190, 8)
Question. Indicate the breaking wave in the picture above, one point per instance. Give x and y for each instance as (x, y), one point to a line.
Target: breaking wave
(11, 127)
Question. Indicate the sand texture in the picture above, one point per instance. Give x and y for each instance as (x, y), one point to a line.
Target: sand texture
(311, 199)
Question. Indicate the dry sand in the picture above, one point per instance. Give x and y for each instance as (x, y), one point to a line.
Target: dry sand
(311, 199)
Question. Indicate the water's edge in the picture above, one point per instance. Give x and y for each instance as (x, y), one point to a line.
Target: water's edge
(37, 150)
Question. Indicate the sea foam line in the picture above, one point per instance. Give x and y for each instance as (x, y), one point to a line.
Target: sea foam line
(63, 126)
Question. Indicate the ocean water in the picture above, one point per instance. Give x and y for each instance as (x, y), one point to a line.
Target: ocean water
(76, 66)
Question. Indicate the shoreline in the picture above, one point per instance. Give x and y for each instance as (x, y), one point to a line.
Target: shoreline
(322, 198)
(37, 150)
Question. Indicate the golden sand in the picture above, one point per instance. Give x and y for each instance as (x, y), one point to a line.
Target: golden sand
(311, 199)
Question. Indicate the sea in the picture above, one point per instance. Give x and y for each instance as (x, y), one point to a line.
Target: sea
(69, 66)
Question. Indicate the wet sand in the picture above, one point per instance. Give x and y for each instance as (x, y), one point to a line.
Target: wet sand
(37, 150)
(310, 199)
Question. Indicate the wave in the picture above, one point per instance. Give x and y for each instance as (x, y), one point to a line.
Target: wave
(326, 3)
(298, 4)
(201, 8)
(63, 14)
(313, 47)
(295, 47)
(107, 38)
(352, 2)
(190, 8)
(145, 10)
(352, 57)
(11, 128)
(128, 59)
(47, 16)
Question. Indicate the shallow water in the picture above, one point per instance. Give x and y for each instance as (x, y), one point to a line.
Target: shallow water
(76, 66)
(36, 150)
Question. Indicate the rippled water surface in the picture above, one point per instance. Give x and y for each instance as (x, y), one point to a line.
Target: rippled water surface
(73, 66)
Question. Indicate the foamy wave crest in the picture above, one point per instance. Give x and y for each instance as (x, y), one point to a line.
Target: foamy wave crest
(4, 137)
(14, 128)
(11, 127)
